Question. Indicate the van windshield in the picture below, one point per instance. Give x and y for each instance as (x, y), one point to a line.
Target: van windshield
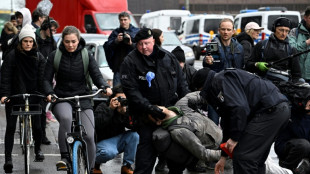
(109, 21)
(293, 18)
(211, 24)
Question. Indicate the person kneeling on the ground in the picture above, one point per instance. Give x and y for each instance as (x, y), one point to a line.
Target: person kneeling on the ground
(194, 132)
(111, 119)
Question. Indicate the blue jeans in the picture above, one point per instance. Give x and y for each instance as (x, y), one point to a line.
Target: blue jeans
(213, 115)
(126, 142)
(116, 79)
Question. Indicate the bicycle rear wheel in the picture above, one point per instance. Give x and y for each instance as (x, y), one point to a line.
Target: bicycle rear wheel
(79, 162)
(26, 145)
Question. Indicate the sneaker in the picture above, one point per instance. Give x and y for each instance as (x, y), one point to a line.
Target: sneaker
(46, 141)
(62, 165)
(8, 166)
(126, 170)
(303, 167)
(39, 157)
(161, 164)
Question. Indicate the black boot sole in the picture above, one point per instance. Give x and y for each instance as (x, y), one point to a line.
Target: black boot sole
(8, 168)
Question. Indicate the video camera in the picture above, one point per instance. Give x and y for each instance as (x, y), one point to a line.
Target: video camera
(211, 48)
(126, 39)
(122, 101)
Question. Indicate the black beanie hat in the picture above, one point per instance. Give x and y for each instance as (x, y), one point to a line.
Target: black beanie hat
(200, 78)
(142, 34)
(179, 54)
(282, 22)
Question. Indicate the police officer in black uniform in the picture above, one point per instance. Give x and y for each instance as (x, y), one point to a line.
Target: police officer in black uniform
(150, 76)
(252, 112)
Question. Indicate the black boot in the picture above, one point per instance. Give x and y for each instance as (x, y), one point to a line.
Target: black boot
(8, 165)
(45, 141)
(39, 156)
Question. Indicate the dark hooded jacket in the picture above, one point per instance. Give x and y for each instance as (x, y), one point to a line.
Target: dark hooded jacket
(22, 73)
(247, 43)
(45, 46)
(70, 78)
(273, 50)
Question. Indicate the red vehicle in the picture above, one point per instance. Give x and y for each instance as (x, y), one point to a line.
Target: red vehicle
(89, 16)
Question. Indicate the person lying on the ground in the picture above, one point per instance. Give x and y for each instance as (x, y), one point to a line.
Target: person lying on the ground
(194, 132)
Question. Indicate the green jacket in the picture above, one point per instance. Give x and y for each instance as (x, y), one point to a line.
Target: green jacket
(297, 39)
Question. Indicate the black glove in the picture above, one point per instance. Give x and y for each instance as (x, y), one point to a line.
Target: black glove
(104, 89)
(156, 112)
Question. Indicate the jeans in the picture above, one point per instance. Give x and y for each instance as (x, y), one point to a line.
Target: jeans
(213, 115)
(126, 142)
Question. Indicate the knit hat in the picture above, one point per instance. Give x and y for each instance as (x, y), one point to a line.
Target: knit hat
(156, 35)
(200, 78)
(27, 31)
(282, 22)
(179, 54)
(142, 34)
(253, 25)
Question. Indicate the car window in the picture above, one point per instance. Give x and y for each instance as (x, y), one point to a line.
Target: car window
(211, 24)
(175, 23)
(246, 20)
(293, 18)
(102, 61)
(236, 23)
(171, 39)
(109, 21)
(192, 27)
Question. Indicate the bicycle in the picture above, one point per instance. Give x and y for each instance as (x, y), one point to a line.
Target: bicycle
(77, 147)
(24, 113)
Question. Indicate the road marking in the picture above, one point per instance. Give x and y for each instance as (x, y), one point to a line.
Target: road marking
(44, 155)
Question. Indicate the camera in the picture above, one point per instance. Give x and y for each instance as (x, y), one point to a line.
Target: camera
(122, 101)
(126, 39)
(211, 48)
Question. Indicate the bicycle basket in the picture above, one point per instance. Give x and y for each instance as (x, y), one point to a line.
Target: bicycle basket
(34, 109)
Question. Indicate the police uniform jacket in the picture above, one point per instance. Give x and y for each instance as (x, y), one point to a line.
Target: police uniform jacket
(239, 96)
(165, 89)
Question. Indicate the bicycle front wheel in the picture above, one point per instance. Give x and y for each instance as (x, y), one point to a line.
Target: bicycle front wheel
(26, 145)
(79, 162)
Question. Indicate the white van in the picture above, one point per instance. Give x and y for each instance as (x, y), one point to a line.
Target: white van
(265, 16)
(197, 30)
(165, 20)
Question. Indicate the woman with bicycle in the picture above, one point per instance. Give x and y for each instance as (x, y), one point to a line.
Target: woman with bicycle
(71, 81)
(22, 73)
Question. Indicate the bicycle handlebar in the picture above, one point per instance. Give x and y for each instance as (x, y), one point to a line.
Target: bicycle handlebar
(24, 96)
(81, 96)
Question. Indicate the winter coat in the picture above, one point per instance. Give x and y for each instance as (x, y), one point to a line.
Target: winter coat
(108, 122)
(247, 43)
(165, 89)
(297, 40)
(274, 50)
(238, 96)
(70, 78)
(117, 51)
(45, 46)
(22, 73)
(189, 72)
(230, 57)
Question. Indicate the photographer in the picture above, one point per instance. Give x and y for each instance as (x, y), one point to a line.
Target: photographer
(111, 119)
(119, 44)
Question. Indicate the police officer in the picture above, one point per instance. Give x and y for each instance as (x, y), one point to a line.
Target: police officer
(150, 76)
(252, 113)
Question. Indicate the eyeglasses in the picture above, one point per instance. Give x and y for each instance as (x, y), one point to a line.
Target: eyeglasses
(283, 30)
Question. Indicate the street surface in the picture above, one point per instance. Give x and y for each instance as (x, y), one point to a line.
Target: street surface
(52, 152)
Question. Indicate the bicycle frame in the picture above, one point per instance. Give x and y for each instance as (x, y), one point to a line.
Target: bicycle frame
(26, 124)
(75, 140)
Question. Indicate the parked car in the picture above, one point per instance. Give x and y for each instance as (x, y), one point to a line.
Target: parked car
(171, 41)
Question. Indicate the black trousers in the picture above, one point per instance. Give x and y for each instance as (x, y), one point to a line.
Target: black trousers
(11, 127)
(295, 150)
(252, 150)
